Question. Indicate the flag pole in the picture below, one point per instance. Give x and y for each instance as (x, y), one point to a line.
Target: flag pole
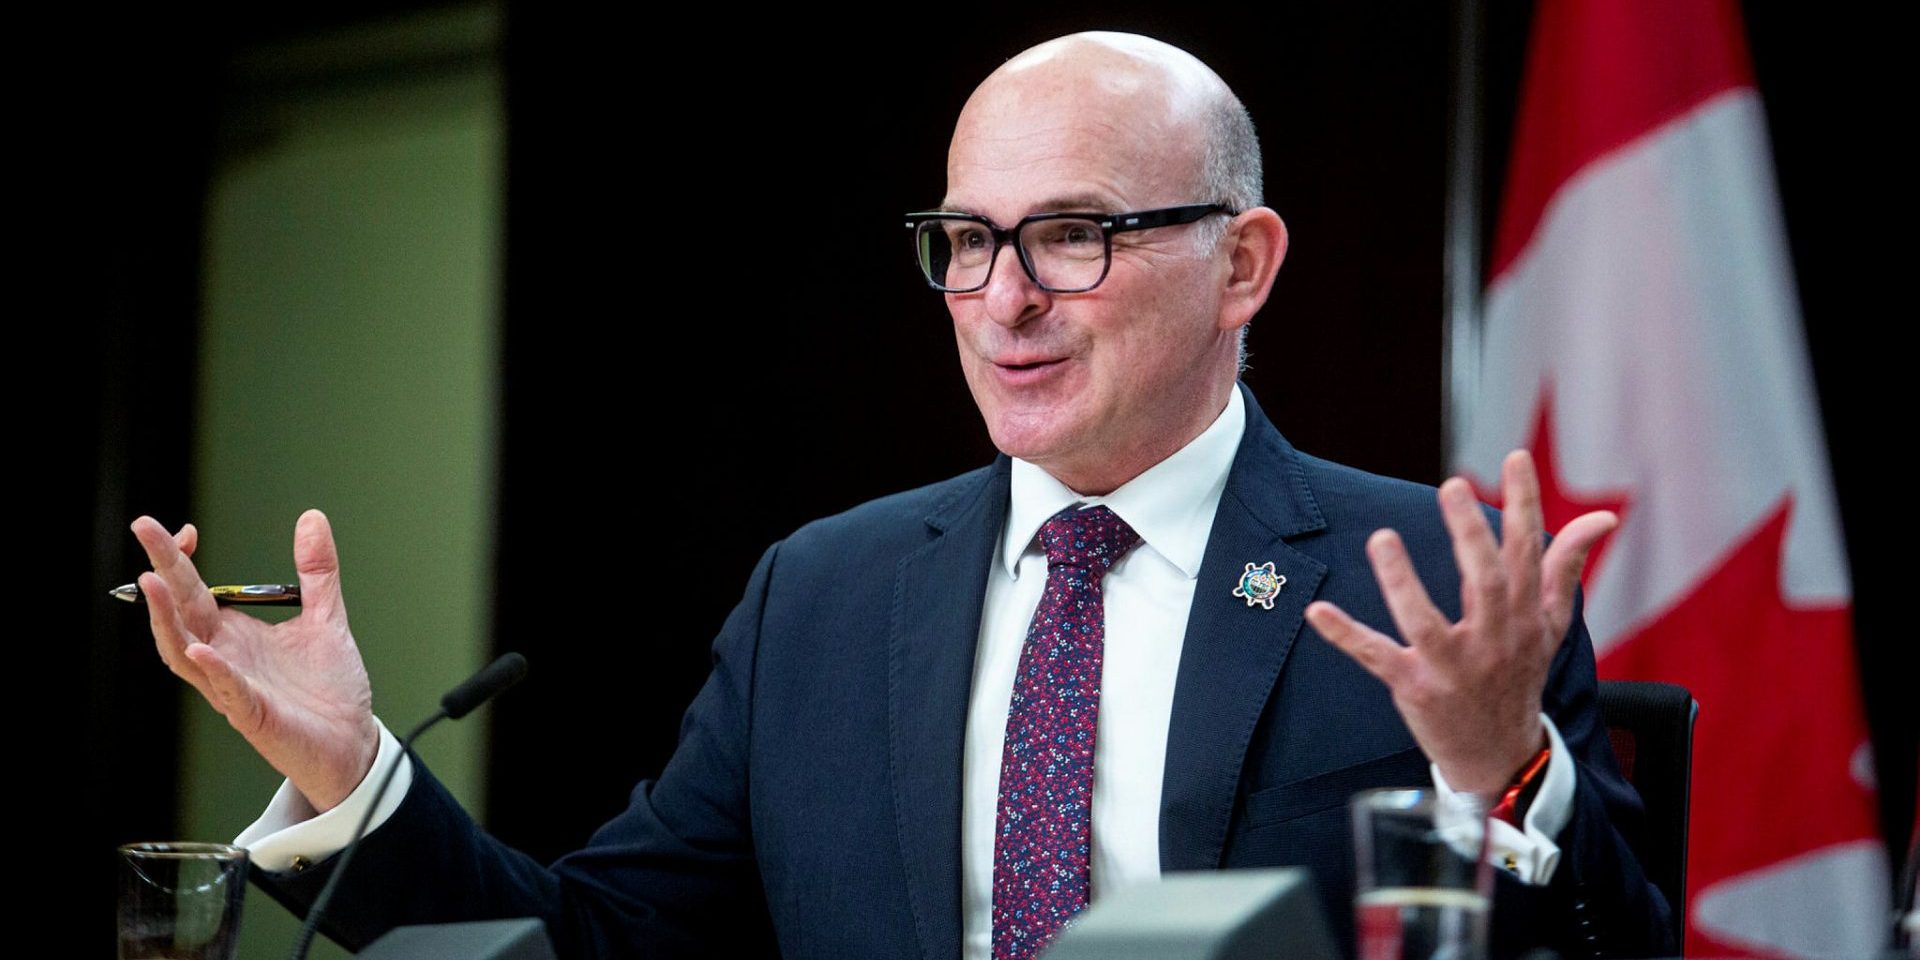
(1461, 288)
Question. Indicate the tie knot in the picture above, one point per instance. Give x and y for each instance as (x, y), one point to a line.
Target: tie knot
(1095, 538)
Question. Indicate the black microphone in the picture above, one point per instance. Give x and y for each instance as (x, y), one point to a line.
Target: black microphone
(482, 686)
(502, 673)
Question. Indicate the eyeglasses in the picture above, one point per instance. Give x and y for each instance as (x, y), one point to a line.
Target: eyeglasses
(1062, 252)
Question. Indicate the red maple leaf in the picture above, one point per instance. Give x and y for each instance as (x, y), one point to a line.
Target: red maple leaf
(1558, 503)
(1780, 715)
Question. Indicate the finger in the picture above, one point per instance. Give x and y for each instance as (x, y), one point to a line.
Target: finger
(171, 637)
(1522, 532)
(1370, 648)
(1483, 587)
(196, 605)
(1562, 565)
(229, 692)
(187, 539)
(317, 561)
(1420, 622)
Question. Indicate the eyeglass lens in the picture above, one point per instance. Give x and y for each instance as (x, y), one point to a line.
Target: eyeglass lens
(1066, 253)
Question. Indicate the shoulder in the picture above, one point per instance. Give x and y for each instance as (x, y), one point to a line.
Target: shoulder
(897, 522)
(1305, 498)
(1354, 503)
(1347, 493)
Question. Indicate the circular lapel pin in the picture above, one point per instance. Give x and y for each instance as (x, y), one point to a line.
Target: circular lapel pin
(1260, 584)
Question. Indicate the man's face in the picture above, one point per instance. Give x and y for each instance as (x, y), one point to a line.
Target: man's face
(1087, 384)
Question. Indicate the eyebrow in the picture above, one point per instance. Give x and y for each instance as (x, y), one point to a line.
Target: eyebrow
(1077, 202)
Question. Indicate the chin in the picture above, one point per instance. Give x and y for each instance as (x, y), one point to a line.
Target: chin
(1033, 442)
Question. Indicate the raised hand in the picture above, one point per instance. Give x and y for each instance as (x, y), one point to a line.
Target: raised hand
(297, 690)
(1470, 691)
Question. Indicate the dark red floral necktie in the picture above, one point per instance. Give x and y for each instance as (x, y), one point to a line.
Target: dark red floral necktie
(1043, 836)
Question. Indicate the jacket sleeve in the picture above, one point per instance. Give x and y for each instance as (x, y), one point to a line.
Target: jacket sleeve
(673, 875)
(1599, 903)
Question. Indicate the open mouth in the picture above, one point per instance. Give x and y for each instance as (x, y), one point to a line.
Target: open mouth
(1030, 365)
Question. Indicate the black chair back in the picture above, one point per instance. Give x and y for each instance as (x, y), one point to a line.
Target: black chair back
(1651, 726)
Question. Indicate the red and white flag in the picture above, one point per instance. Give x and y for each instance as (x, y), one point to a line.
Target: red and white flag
(1643, 337)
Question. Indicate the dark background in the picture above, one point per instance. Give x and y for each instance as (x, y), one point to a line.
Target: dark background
(648, 159)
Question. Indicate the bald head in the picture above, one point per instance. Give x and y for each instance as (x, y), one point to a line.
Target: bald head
(1155, 108)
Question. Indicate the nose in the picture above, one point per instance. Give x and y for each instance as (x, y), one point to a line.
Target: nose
(1012, 297)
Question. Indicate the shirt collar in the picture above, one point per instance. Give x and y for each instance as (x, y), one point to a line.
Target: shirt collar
(1170, 505)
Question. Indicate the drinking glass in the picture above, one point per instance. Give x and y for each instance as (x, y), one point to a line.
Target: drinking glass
(1424, 888)
(180, 901)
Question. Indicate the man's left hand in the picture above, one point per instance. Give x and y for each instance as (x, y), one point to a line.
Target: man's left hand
(1470, 691)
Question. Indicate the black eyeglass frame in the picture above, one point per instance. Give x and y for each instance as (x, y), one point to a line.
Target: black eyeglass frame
(1109, 223)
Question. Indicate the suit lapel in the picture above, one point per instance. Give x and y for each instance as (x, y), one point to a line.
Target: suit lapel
(938, 594)
(1233, 653)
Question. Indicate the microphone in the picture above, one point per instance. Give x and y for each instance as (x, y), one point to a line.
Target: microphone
(482, 686)
(503, 672)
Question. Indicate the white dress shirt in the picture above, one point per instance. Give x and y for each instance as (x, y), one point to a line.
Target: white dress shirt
(1148, 594)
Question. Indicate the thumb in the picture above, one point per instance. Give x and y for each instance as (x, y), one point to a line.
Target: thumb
(318, 563)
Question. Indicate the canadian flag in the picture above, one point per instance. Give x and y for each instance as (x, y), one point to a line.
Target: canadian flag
(1642, 335)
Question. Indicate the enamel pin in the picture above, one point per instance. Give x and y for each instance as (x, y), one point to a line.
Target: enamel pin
(1260, 584)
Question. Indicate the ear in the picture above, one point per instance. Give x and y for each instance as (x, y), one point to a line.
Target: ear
(1255, 243)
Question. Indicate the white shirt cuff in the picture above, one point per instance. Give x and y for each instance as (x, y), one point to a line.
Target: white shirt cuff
(288, 836)
(1528, 853)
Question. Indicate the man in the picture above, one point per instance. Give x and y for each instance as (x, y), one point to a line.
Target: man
(939, 723)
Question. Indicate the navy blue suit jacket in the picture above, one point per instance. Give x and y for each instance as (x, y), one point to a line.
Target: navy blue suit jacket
(812, 806)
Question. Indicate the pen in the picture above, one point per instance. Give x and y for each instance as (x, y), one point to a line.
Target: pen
(253, 594)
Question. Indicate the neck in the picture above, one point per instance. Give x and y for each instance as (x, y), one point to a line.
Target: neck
(1101, 475)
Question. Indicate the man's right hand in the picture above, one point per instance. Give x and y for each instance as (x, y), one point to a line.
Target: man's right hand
(297, 690)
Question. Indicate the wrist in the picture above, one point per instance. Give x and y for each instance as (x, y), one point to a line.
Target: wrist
(1512, 803)
(333, 784)
(1489, 769)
